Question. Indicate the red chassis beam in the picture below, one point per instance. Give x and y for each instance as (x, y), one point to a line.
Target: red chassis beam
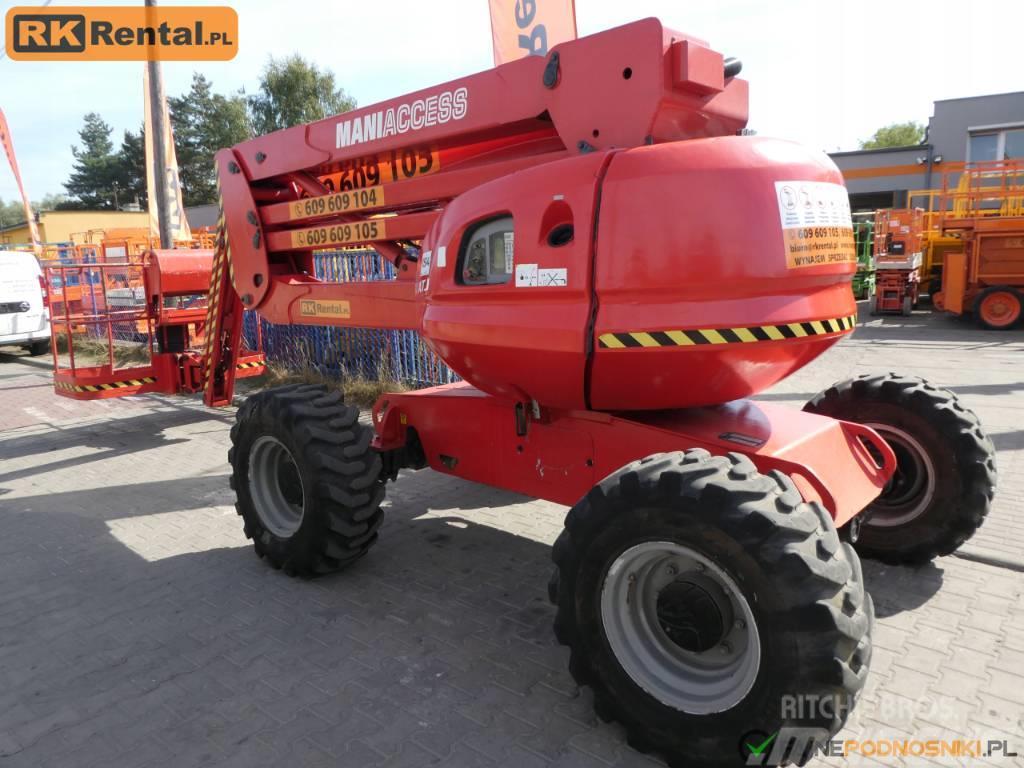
(559, 455)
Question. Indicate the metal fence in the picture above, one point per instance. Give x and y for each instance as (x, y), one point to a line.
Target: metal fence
(369, 353)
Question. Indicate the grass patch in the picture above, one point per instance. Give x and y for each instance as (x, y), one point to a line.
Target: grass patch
(95, 351)
(356, 389)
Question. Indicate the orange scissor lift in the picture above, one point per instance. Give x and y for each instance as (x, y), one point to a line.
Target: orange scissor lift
(898, 260)
(138, 325)
(985, 212)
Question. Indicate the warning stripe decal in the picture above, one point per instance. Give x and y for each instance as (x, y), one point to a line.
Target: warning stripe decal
(104, 387)
(253, 364)
(747, 335)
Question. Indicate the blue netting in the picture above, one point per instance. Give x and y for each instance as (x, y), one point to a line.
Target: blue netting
(370, 353)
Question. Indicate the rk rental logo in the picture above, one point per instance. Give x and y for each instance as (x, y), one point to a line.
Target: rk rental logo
(119, 33)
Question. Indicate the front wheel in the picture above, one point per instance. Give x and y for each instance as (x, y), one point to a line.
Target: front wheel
(945, 465)
(701, 599)
(308, 483)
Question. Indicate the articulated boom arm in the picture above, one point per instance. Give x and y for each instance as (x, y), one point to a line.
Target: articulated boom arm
(380, 176)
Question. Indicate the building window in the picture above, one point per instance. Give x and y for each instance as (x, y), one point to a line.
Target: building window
(996, 145)
(1013, 144)
(487, 253)
(983, 147)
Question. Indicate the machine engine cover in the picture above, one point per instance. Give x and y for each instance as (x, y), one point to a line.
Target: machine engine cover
(667, 276)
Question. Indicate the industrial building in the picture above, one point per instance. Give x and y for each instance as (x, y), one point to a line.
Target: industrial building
(60, 226)
(970, 129)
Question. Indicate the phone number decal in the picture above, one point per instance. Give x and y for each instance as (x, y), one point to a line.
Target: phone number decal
(340, 202)
(373, 170)
(339, 234)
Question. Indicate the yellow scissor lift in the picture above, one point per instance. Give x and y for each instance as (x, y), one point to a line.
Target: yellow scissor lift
(935, 243)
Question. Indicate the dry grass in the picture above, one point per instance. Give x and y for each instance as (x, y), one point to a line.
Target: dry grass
(95, 352)
(357, 390)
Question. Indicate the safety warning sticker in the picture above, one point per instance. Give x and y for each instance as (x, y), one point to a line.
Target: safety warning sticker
(816, 226)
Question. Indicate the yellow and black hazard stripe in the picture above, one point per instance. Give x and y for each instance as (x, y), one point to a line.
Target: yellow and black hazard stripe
(217, 287)
(253, 364)
(745, 335)
(104, 387)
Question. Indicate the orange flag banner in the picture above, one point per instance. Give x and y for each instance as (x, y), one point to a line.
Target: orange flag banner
(8, 144)
(172, 183)
(530, 27)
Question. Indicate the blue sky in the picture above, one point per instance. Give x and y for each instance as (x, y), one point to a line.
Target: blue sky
(823, 72)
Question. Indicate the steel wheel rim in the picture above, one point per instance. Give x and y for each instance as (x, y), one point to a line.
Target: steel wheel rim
(912, 488)
(699, 669)
(1000, 308)
(275, 486)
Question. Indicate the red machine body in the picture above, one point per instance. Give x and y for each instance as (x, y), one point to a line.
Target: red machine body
(586, 240)
(665, 303)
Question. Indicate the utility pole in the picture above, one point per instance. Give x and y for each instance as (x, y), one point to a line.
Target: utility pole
(159, 126)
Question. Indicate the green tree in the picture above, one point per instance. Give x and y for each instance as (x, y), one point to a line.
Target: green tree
(49, 202)
(294, 91)
(92, 184)
(130, 174)
(204, 122)
(895, 135)
(12, 212)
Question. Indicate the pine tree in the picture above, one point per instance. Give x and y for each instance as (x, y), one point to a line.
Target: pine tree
(131, 169)
(93, 182)
(204, 122)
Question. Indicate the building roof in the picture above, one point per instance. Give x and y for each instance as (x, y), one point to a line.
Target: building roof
(879, 150)
(983, 96)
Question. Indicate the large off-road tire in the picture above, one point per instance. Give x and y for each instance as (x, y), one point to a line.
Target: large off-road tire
(999, 308)
(946, 473)
(308, 484)
(696, 594)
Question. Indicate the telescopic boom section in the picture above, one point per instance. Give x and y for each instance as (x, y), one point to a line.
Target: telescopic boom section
(380, 176)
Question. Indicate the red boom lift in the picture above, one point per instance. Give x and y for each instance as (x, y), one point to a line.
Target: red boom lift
(611, 270)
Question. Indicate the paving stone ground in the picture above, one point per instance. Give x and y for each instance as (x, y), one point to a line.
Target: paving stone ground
(137, 628)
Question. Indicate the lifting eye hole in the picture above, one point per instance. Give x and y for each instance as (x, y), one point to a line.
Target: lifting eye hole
(561, 235)
(627, 73)
(596, 133)
(257, 279)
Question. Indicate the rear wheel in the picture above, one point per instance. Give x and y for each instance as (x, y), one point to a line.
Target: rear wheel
(308, 484)
(945, 477)
(998, 309)
(696, 595)
(873, 304)
(40, 347)
(908, 306)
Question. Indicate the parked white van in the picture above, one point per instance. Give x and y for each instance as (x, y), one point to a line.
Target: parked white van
(24, 315)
